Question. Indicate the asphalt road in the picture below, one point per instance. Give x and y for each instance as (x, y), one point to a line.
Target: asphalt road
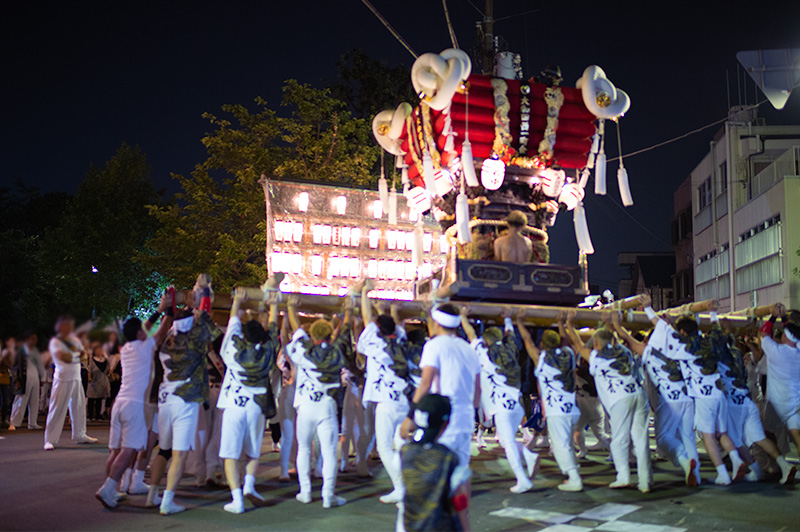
(55, 491)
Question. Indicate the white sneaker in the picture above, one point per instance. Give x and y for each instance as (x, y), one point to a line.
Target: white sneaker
(531, 461)
(153, 499)
(35, 427)
(86, 439)
(138, 488)
(49, 447)
(752, 476)
(305, 498)
(109, 500)
(254, 497)
(521, 488)
(333, 501)
(722, 480)
(573, 484)
(392, 498)
(234, 507)
(788, 471)
(170, 508)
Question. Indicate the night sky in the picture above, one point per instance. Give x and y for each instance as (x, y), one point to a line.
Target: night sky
(79, 79)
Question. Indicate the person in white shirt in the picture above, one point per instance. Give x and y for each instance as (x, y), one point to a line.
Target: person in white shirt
(183, 356)
(699, 359)
(450, 368)
(783, 371)
(318, 356)
(673, 408)
(500, 395)
(249, 352)
(555, 370)
(382, 342)
(128, 432)
(34, 376)
(616, 374)
(288, 414)
(67, 352)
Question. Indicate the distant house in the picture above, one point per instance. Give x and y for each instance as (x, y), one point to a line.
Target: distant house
(651, 273)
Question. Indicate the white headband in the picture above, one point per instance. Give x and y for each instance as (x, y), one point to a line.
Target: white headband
(792, 338)
(445, 320)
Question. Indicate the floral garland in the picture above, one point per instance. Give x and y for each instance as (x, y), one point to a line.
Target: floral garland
(554, 100)
(502, 124)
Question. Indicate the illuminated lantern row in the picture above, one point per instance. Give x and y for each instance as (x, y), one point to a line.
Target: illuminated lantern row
(325, 238)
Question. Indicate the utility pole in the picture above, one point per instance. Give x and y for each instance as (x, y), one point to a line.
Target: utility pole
(487, 47)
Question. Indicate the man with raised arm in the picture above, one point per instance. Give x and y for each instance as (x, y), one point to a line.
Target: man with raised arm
(614, 369)
(383, 342)
(783, 370)
(249, 352)
(184, 389)
(698, 361)
(318, 356)
(67, 351)
(500, 395)
(513, 247)
(128, 432)
(555, 370)
(673, 408)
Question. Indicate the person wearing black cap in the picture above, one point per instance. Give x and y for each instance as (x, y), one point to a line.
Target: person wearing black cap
(436, 485)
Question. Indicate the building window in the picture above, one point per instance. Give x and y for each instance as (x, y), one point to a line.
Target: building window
(704, 194)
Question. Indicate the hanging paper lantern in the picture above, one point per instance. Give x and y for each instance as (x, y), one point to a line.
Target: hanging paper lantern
(571, 195)
(493, 173)
(443, 181)
(552, 181)
(418, 199)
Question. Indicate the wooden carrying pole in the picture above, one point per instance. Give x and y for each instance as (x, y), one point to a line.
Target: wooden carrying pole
(537, 315)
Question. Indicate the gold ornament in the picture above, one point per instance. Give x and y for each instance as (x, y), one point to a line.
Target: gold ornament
(603, 99)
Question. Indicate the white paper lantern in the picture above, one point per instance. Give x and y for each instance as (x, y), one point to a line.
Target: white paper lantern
(443, 181)
(552, 182)
(571, 195)
(493, 172)
(418, 199)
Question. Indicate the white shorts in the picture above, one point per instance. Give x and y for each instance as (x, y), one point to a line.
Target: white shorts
(711, 414)
(242, 431)
(788, 413)
(744, 423)
(459, 442)
(128, 427)
(177, 425)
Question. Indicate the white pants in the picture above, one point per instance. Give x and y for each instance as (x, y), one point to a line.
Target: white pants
(507, 422)
(366, 438)
(629, 418)
(66, 394)
(560, 430)
(674, 424)
(592, 414)
(288, 420)
(352, 420)
(388, 418)
(317, 419)
(29, 399)
(204, 460)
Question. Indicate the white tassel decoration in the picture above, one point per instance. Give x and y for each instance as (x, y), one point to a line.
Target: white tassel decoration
(590, 160)
(624, 186)
(400, 161)
(450, 143)
(404, 176)
(393, 206)
(468, 164)
(428, 173)
(383, 193)
(600, 174)
(462, 218)
(582, 230)
(584, 178)
(416, 250)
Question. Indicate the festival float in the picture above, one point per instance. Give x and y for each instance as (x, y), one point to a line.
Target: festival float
(477, 147)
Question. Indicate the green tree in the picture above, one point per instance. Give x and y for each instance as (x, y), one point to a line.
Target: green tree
(88, 257)
(216, 224)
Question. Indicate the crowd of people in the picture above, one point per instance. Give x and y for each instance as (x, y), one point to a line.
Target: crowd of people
(338, 387)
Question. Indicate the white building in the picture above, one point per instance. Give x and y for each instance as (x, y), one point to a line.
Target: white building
(753, 171)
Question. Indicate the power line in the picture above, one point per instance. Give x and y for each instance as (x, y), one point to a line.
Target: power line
(390, 28)
(476, 8)
(680, 137)
(518, 14)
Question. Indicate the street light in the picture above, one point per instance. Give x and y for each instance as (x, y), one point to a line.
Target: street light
(94, 295)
